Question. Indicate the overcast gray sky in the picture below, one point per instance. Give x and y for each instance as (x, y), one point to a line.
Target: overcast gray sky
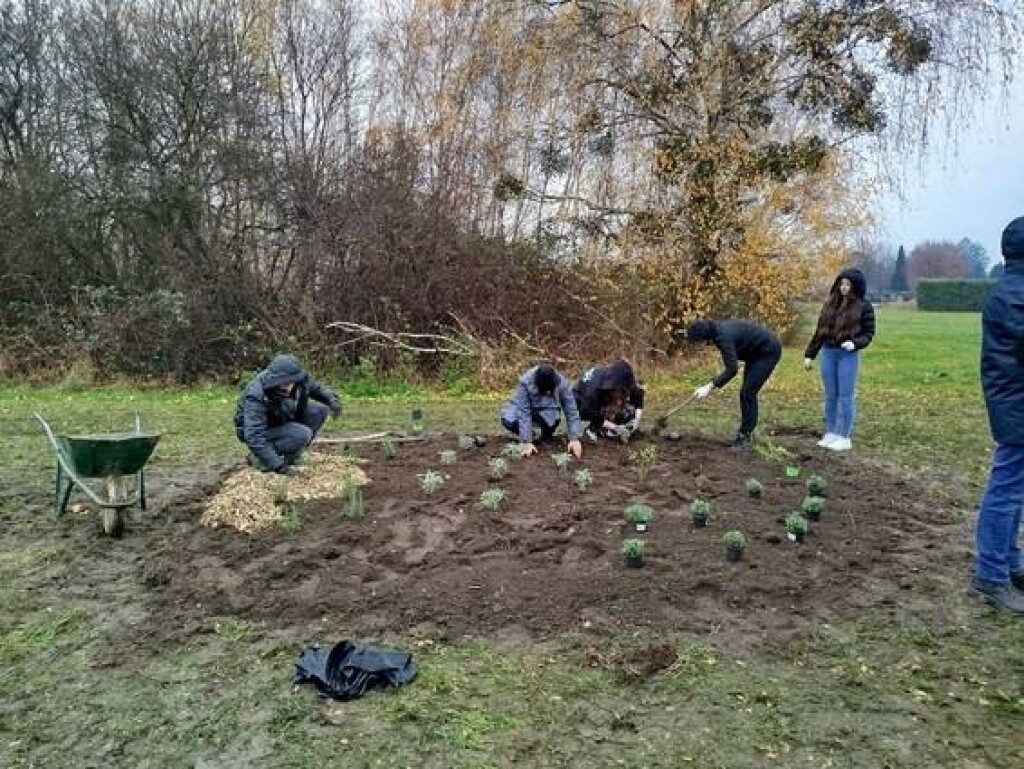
(973, 193)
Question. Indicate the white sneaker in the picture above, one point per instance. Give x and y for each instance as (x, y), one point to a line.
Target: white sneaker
(840, 444)
(828, 439)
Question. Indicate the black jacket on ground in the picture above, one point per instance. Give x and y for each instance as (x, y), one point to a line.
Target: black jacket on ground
(865, 332)
(736, 340)
(594, 389)
(261, 407)
(1002, 344)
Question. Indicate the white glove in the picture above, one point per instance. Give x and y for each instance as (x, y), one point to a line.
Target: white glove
(704, 390)
(848, 346)
(808, 362)
(634, 424)
(610, 428)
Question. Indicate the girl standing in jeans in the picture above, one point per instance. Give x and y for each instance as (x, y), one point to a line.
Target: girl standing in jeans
(845, 327)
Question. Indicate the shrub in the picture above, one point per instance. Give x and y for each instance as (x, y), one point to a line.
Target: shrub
(638, 512)
(431, 481)
(448, 457)
(813, 507)
(633, 548)
(754, 487)
(816, 486)
(939, 295)
(492, 498)
(700, 508)
(562, 461)
(583, 478)
(734, 540)
(498, 467)
(796, 523)
(466, 442)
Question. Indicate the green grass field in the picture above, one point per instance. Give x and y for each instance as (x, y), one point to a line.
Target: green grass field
(943, 690)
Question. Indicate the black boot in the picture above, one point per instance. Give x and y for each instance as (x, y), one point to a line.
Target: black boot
(741, 442)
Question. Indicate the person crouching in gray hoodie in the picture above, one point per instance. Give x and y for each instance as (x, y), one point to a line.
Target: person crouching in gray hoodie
(280, 412)
(541, 397)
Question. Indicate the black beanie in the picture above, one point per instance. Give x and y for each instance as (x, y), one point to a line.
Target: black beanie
(700, 331)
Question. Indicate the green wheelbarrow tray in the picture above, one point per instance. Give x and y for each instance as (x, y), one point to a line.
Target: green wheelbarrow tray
(113, 457)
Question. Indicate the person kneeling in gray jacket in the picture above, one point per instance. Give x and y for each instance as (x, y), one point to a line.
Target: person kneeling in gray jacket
(280, 412)
(541, 396)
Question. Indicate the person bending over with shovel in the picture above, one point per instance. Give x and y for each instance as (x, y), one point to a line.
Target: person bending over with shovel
(739, 340)
(611, 400)
(541, 397)
(280, 412)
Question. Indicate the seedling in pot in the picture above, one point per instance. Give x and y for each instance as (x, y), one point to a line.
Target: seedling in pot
(816, 486)
(448, 457)
(466, 442)
(796, 527)
(491, 499)
(813, 507)
(431, 480)
(734, 542)
(644, 460)
(417, 423)
(497, 468)
(583, 478)
(701, 511)
(633, 550)
(639, 514)
(754, 487)
(562, 461)
(388, 449)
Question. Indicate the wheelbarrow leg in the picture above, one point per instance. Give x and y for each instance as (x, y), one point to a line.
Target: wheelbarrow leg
(62, 493)
(142, 489)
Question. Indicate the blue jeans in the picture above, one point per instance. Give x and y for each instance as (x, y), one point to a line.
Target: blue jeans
(999, 518)
(839, 378)
(291, 438)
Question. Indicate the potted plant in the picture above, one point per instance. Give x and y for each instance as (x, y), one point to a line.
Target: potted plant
(491, 499)
(701, 511)
(754, 487)
(583, 478)
(388, 449)
(431, 481)
(644, 460)
(639, 514)
(497, 468)
(417, 423)
(796, 527)
(813, 507)
(816, 486)
(466, 442)
(633, 550)
(448, 457)
(734, 543)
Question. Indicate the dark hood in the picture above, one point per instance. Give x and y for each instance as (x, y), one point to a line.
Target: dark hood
(283, 369)
(856, 277)
(1013, 240)
(618, 376)
(700, 331)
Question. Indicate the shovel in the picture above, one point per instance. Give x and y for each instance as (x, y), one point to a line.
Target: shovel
(662, 422)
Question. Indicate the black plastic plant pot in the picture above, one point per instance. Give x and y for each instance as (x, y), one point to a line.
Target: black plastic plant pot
(699, 523)
(417, 415)
(733, 553)
(795, 536)
(813, 516)
(635, 561)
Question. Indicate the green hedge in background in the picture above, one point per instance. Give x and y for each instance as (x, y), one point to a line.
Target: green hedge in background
(939, 295)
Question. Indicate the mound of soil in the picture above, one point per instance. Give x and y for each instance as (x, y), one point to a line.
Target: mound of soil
(548, 560)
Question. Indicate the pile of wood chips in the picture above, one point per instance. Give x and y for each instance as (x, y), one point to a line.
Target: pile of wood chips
(250, 501)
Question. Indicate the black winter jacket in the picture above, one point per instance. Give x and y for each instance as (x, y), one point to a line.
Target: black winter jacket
(865, 332)
(594, 389)
(1002, 344)
(736, 340)
(261, 407)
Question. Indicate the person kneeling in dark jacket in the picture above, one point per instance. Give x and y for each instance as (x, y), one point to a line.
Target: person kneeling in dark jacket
(610, 400)
(739, 340)
(280, 412)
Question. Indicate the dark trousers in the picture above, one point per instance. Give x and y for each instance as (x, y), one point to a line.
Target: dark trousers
(547, 432)
(290, 439)
(755, 374)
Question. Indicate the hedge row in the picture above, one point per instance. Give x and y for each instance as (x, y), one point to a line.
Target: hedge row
(937, 295)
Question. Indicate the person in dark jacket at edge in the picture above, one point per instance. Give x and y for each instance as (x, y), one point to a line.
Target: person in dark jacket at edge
(739, 340)
(998, 573)
(610, 400)
(541, 397)
(280, 412)
(846, 326)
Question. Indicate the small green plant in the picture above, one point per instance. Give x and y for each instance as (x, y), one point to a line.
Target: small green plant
(492, 498)
(813, 507)
(796, 526)
(633, 548)
(734, 540)
(466, 442)
(279, 492)
(291, 519)
(512, 451)
(644, 459)
(792, 471)
(562, 461)
(583, 478)
(388, 449)
(448, 457)
(816, 486)
(431, 481)
(770, 451)
(700, 509)
(754, 487)
(353, 495)
(497, 468)
(639, 514)
(417, 423)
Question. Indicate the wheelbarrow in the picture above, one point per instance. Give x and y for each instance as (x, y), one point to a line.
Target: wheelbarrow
(114, 457)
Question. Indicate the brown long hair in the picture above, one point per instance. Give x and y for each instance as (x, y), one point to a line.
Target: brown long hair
(840, 316)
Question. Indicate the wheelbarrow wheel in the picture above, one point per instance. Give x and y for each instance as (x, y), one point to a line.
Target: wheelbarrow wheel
(113, 523)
